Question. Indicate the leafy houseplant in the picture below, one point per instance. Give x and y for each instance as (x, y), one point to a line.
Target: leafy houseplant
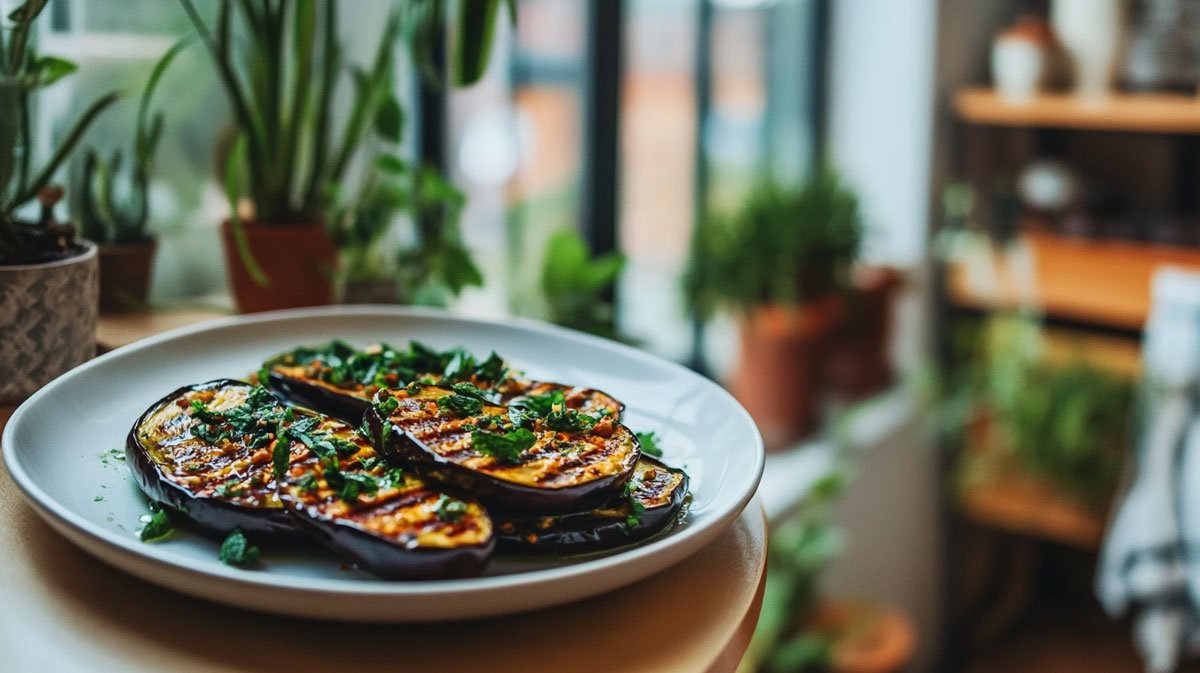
(573, 284)
(47, 276)
(119, 224)
(433, 267)
(1065, 422)
(281, 65)
(779, 261)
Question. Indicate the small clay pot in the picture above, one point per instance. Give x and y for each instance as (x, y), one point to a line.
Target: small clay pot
(125, 275)
(858, 364)
(299, 261)
(778, 377)
(866, 638)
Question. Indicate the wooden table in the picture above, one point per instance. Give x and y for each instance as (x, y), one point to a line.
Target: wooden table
(63, 611)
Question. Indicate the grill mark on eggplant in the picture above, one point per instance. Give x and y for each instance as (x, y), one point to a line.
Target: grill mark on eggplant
(661, 490)
(560, 472)
(348, 400)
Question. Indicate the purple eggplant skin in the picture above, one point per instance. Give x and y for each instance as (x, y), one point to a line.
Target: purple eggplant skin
(212, 516)
(402, 448)
(382, 558)
(396, 529)
(603, 528)
(343, 405)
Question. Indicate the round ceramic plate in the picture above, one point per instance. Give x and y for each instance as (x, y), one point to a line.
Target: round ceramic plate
(63, 448)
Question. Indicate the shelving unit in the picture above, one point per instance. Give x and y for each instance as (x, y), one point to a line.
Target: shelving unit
(1124, 112)
(1096, 294)
(1103, 282)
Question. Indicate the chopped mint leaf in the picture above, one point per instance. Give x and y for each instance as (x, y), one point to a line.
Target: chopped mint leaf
(237, 551)
(387, 405)
(649, 442)
(157, 528)
(542, 405)
(506, 447)
(449, 509)
(569, 420)
(460, 405)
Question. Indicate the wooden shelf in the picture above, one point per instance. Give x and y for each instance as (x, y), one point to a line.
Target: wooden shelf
(1101, 282)
(1132, 112)
(1020, 504)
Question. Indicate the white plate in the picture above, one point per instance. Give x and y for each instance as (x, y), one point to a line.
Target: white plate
(58, 444)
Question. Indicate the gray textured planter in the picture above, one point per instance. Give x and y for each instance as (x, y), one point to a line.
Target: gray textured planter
(47, 321)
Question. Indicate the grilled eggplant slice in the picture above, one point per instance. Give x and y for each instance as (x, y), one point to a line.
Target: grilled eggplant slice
(339, 380)
(658, 491)
(387, 521)
(201, 451)
(503, 456)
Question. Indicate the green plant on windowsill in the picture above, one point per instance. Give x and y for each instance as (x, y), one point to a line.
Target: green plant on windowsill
(104, 216)
(24, 72)
(282, 65)
(574, 283)
(801, 548)
(783, 245)
(433, 265)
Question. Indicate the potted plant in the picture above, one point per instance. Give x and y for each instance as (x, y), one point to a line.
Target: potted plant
(118, 225)
(574, 284)
(433, 265)
(780, 261)
(281, 68)
(858, 364)
(798, 631)
(47, 277)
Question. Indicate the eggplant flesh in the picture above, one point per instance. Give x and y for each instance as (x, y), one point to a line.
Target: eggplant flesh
(659, 490)
(218, 485)
(310, 381)
(391, 523)
(558, 473)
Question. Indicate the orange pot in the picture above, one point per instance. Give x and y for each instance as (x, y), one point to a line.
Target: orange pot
(858, 364)
(125, 275)
(867, 638)
(778, 378)
(299, 262)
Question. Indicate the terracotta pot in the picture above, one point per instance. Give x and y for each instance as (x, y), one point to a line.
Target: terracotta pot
(778, 377)
(299, 262)
(125, 275)
(866, 638)
(858, 364)
(47, 321)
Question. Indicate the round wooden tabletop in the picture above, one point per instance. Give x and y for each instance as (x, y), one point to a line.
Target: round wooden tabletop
(62, 610)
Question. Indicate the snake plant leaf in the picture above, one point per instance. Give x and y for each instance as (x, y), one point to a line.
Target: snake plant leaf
(476, 32)
(64, 149)
(389, 120)
(233, 180)
(26, 12)
(46, 70)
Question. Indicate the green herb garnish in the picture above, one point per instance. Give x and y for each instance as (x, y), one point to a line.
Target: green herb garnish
(157, 528)
(636, 508)
(387, 405)
(505, 447)
(569, 420)
(449, 509)
(542, 405)
(307, 483)
(649, 442)
(460, 405)
(237, 551)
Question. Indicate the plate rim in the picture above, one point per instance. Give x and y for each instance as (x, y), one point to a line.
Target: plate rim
(370, 587)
